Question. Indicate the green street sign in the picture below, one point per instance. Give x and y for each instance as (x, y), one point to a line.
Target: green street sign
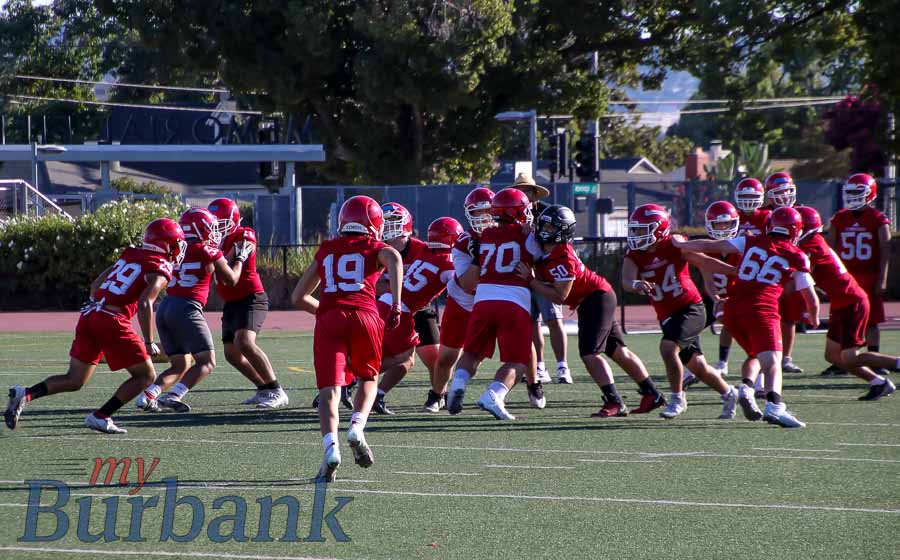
(585, 188)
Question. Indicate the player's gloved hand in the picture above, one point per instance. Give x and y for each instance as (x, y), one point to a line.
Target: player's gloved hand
(153, 348)
(475, 250)
(90, 304)
(242, 251)
(393, 318)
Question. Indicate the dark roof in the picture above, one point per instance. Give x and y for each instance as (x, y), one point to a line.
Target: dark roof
(619, 164)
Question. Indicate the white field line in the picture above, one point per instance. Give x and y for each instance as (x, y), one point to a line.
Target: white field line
(638, 501)
(155, 553)
(870, 444)
(413, 473)
(882, 425)
(617, 461)
(796, 450)
(526, 467)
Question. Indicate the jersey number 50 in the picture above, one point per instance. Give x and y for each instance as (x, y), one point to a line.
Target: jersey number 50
(349, 272)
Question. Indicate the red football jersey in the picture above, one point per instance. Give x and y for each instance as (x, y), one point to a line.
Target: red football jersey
(249, 282)
(668, 270)
(767, 264)
(461, 263)
(424, 279)
(563, 265)
(723, 282)
(191, 278)
(755, 223)
(857, 239)
(126, 281)
(348, 270)
(502, 247)
(830, 273)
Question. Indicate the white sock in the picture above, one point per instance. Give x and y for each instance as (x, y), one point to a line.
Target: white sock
(678, 396)
(380, 393)
(541, 366)
(727, 392)
(786, 360)
(179, 390)
(328, 440)
(878, 381)
(358, 420)
(460, 380)
(760, 382)
(562, 364)
(153, 391)
(499, 389)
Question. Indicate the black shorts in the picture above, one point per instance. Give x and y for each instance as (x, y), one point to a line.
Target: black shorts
(182, 327)
(598, 330)
(426, 325)
(683, 328)
(248, 313)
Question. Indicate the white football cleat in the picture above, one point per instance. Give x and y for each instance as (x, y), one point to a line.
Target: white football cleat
(688, 379)
(747, 400)
(455, 401)
(362, 453)
(276, 398)
(780, 415)
(173, 402)
(722, 368)
(729, 404)
(536, 396)
(675, 407)
(15, 406)
(330, 463)
(563, 376)
(145, 403)
(254, 399)
(489, 402)
(543, 375)
(105, 425)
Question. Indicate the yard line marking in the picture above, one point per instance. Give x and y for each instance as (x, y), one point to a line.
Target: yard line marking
(152, 553)
(13, 505)
(796, 450)
(618, 461)
(673, 454)
(434, 473)
(884, 425)
(799, 457)
(638, 501)
(871, 444)
(527, 467)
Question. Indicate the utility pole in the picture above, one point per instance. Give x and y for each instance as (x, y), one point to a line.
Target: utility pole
(593, 222)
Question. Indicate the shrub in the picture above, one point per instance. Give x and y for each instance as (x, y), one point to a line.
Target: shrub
(50, 262)
(129, 185)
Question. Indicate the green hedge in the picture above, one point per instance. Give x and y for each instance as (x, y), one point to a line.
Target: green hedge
(49, 263)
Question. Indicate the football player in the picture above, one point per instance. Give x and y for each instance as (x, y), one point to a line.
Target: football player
(460, 295)
(849, 312)
(541, 308)
(722, 221)
(769, 262)
(563, 279)
(183, 329)
(349, 330)
(781, 192)
(749, 195)
(131, 285)
(655, 267)
(502, 305)
(246, 306)
(861, 235)
(424, 279)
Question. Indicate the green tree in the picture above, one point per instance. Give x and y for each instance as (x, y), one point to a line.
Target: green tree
(626, 138)
(879, 24)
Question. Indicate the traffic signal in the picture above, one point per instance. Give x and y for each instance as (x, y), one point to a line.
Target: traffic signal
(556, 156)
(584, 158)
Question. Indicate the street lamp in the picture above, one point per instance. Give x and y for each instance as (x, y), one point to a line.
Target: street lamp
(35, 150)
(530, 116)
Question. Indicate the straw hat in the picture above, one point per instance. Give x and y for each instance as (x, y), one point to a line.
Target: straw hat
(524, 182)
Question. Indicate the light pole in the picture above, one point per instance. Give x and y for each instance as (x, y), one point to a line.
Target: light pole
(530, 116)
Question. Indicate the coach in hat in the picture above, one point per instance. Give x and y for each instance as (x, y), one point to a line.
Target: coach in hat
(541, 306)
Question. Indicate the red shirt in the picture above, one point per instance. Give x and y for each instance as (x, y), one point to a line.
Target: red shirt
(127, 279)
(668, 269)
(191, 278)
(249, 282)
(755, 223)
(722, 282)
(830, 274)
(501, 248)
(461, 263)
(857, 239)
(767, 265)
(425, 278)
(348, 270)
(563, 265)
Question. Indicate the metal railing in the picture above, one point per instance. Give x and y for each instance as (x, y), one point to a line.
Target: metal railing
(19, 198)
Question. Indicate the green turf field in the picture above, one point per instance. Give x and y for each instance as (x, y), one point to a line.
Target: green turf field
(553, 484)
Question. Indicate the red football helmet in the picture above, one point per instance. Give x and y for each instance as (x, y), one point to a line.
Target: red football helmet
(397, 221)
(361, 214)
(780, 189)
(812, 222)
(722, 220)
(648, 224)
(200, 224)
(479, 199)
(511, 206)
(226, 212)
(166, 237)
(787, 222)
(443, 233)
(749, 194)
(859, 191)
